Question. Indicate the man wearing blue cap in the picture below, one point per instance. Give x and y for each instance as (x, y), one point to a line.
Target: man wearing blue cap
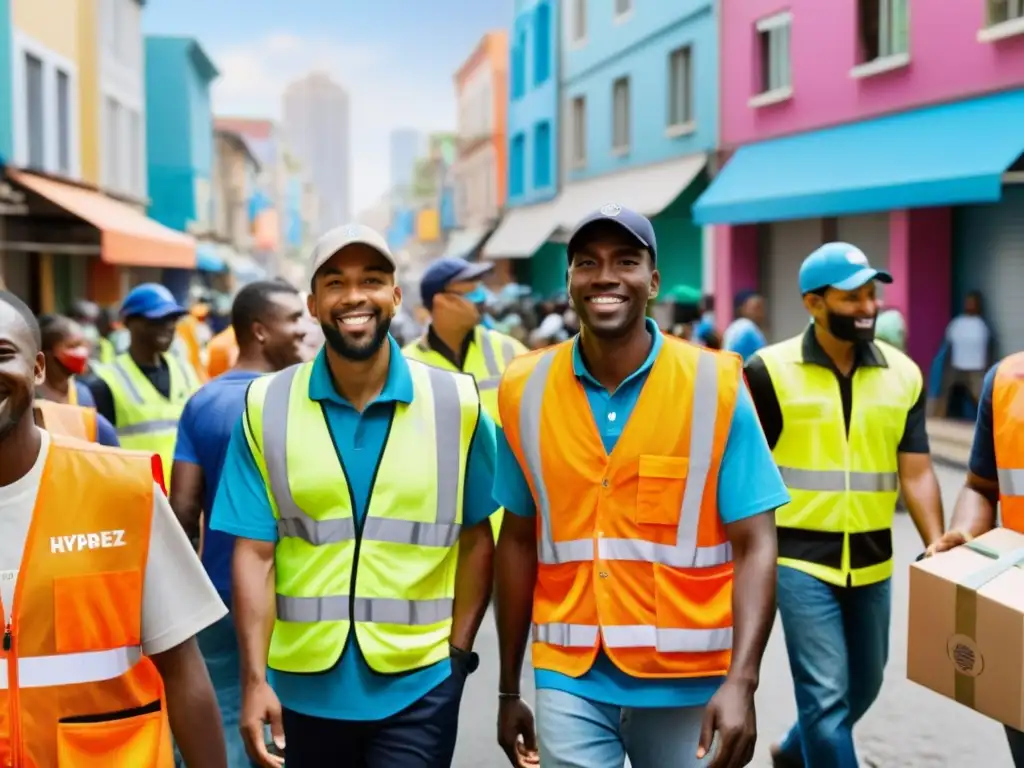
(144, 390)
(844, 415)
(649, 482)
(455, 340)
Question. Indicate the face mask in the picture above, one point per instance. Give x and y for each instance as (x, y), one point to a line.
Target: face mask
(850, 328)
(91, 334)
(477, 296)
(74, 360)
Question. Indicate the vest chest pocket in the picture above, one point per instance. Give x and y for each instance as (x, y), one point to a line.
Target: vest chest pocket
(131, 737)
(661, 482)
(97, 611)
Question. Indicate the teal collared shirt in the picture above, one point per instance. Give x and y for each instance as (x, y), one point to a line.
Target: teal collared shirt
(350, 690)
(748, 484)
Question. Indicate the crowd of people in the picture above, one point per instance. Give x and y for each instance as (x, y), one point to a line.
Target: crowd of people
(279, 540)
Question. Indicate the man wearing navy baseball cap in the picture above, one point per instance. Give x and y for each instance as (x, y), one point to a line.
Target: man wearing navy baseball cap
(844, 415)
(144, 390)
(613, 428)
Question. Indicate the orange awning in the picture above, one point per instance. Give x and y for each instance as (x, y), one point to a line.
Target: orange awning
(127, 237)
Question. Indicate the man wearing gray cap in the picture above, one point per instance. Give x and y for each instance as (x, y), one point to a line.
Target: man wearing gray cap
(359, 487)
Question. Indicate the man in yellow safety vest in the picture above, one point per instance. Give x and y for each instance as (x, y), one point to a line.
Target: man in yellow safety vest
(455, 340)
(359, 487)
(144, 390)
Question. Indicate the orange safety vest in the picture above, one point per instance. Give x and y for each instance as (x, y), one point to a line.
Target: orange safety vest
(1008, 436)
(66, 419)
(189, 334)
(222, 352)
(75, 689)
(632, 554)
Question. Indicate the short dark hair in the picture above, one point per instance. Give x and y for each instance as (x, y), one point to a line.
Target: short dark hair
(19, 306)
(252, 302)
(53, 328)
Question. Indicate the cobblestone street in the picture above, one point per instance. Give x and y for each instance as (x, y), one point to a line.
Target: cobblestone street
(908, 727)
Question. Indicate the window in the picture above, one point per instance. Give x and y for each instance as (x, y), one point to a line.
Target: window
(34, 112)
(773, 38)
(579, 20)
(113, 143)
(883, 28)
(1000, 11)
(517, 166)
(578, 151)
(680, 87)
(63, 123)
(542, 155)
(620, 114)
(542, 44)
(622, 7)
(519, 66)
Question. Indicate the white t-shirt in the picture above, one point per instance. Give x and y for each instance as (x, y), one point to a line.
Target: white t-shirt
(178, 599)
(968, 340)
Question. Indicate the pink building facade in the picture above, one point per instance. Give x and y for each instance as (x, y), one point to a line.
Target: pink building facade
(897, 125)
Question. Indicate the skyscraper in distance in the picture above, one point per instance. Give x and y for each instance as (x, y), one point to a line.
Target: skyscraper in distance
(317, 126)
(407, 145)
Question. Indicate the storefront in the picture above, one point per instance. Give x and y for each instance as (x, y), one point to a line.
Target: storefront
(886, 185)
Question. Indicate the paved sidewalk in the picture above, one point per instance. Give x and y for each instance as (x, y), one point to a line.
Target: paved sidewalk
(951, 441)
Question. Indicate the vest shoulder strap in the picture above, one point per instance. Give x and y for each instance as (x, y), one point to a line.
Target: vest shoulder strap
(788, 351)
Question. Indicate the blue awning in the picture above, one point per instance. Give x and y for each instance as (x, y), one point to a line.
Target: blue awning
(208, 259)
(462, 242)
(944, 155)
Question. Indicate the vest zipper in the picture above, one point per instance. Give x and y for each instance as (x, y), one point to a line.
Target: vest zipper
(13, 699)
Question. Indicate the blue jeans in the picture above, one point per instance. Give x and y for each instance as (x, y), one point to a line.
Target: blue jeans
(837, 639)
(1016, 739)
(579, 733)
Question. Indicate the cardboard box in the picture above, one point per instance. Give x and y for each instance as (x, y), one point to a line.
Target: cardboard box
(966, 625)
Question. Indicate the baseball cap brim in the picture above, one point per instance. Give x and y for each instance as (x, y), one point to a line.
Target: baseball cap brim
(474, 271)
(862, 277)
(589, 223)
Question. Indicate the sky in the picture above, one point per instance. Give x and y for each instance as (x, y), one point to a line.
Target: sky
(396, 58)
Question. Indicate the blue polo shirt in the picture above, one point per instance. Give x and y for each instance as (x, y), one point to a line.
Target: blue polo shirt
(748, 484)
(350, 690)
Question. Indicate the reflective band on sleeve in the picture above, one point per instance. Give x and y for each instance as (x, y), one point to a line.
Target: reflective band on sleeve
(294, 522)
(834, 480)
(1011, 482)
(147, 427)
(73, 668)
(487, 347)
(685, 553)
(126, 381)
(378, 610)
(635, 636)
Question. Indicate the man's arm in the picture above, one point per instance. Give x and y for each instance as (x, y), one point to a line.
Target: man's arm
(975, 510)
(475, 572)
(920, 486)
(178, 603)
(187, 480)
(766, 401)
(252, 593)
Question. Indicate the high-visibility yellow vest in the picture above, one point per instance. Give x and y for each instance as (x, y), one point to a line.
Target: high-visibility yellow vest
(146, 420)
(392, 577)
(838, 525)
(486, 360)
(106, 352)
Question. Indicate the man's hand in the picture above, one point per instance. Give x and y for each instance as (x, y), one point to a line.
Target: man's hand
(730, 714)
(516, 733)
(259, 706)
(949, 540)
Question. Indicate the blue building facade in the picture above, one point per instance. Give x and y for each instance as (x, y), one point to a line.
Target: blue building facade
(179, 132)
(6, 79)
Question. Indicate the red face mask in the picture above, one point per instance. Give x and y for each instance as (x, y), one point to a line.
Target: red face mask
(75, 359)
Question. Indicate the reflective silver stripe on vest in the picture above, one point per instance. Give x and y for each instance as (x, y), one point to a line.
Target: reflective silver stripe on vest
(118, 369)
(73, 668)
(508, 351)
(1011, 482)
(684, 553)
(835, 480)
(487, 384)
(294, 522)
(379, 610)
(490, 361)
(147, 427)
(635, 636)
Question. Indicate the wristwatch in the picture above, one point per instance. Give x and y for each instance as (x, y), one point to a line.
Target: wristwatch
(468, 659)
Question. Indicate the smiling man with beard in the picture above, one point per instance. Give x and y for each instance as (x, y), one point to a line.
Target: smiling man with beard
(641, 547)
(144, 390)
(359, 487)
(845, 417)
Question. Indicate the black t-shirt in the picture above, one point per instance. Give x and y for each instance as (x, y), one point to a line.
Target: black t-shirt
(769, 411)
(159, 376)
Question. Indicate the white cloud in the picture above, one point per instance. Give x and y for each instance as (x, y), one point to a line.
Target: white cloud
(386, 91)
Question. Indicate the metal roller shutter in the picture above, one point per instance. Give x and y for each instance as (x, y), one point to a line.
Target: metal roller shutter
(990, 245)
(788, 244)
(870, 233)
